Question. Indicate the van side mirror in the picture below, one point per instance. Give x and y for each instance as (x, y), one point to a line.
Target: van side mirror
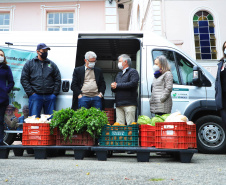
(197, 76)
(65, 86)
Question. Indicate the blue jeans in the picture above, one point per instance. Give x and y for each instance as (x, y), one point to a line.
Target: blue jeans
(89, 102)
(2, 113)
(37, 102)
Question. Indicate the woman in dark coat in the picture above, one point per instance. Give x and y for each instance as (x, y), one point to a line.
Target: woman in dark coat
(6, 85)
(220, 86)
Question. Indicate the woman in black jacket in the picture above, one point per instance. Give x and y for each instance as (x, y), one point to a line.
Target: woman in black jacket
(220, 86)
(6, 85)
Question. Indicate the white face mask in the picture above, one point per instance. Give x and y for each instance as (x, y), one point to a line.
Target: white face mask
(1, 59)
(120, 65)
(156, 68)
(91, 65)
(225, 51)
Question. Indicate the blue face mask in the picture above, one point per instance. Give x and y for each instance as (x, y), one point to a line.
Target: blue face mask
(44, 55)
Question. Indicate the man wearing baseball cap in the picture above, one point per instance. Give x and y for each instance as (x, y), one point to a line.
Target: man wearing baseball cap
(41, 81)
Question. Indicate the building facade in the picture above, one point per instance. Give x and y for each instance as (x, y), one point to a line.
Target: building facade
(196, 26)
(58, 15)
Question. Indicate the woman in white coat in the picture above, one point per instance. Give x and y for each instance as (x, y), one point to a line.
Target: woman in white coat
(162, 85)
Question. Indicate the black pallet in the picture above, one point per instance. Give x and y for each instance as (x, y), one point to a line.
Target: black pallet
(42, 152)
(143, 153)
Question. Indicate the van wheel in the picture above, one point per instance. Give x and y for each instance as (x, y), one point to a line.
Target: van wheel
(210, 135)
(9, 138)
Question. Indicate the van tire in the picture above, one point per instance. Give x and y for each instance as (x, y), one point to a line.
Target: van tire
(9, 138)
(211, 137)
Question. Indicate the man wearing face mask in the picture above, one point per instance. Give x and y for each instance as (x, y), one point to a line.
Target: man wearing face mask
(88, 84)
(125, 89)
(41, 81)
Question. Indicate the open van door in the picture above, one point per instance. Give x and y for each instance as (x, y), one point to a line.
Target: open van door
(108, 47)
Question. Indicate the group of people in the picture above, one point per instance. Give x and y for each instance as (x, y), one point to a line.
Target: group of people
(41, 80)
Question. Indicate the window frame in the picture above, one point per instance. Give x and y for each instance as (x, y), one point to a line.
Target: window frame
(196, 36)
(63, 8)
(176, 62)
(5, 26)
(60, 26)
(174, 56)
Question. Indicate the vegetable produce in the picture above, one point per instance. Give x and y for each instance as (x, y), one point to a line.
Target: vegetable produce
(143, 120)
(164, 116)
(156, 119)
(61, 117)
(83, 120)
(176, 117)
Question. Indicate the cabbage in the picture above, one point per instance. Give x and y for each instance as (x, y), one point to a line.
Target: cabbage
(156, 119)
(164, 116)
(143, 120)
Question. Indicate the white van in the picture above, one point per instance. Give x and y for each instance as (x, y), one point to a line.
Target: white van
(193, 90)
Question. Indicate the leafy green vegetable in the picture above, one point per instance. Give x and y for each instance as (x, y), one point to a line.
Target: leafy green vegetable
(143, 120)
(164, 116)
(61, 117)
(83, 120)
(156, 119)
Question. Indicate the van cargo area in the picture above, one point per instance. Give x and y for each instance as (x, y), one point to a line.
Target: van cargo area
(107, 51)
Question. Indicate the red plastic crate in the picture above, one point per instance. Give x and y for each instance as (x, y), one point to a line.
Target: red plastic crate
(39, 142)
(39, 137)
(38, 134)
(37, 129)
(192, 143)
(171, 135)
(147, 135)
(83, 139)
(110, 112)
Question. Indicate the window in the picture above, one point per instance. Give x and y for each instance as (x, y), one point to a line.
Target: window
(204, 36)
(170, 57)
(60, 21)
(185, 70)
(4, 22)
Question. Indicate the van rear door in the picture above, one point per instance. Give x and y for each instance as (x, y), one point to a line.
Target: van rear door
(108, 47)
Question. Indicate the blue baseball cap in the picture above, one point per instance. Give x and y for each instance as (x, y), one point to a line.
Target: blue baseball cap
(42, 46)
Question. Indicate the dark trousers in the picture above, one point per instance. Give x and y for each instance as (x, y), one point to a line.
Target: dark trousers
(37, 102)
(89, 102)
(223, 111)
(2, 113)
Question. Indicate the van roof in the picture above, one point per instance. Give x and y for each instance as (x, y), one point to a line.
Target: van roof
(70, 38)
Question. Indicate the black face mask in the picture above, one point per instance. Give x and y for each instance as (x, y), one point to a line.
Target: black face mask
(44, 55)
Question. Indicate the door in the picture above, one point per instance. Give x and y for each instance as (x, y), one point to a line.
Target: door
(184, 92)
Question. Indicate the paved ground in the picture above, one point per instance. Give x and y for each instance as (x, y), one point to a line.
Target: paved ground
(119, 169)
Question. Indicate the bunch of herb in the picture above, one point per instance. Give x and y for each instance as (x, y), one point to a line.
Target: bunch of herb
(95, 121)
(60, 118)
(85, 120)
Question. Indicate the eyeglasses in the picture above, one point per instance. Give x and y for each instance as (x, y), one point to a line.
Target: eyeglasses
(92, 61)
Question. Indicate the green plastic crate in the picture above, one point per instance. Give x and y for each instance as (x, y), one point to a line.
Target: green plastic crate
(119, 135)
